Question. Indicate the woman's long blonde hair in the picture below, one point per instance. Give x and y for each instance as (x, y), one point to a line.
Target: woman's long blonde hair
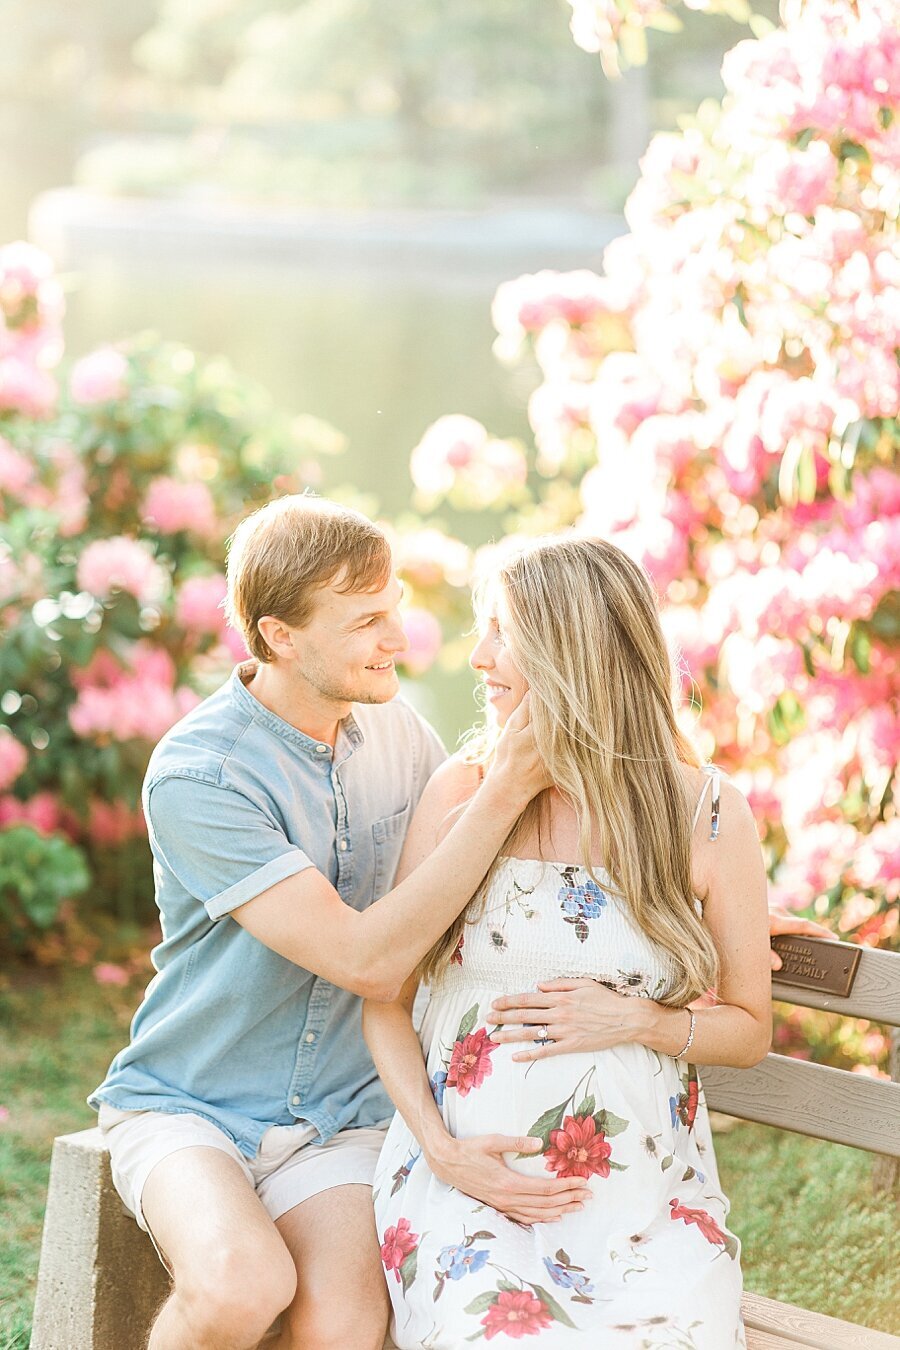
(580, 620)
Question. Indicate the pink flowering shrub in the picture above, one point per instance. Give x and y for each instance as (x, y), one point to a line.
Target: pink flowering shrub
(115, 505)
(723, 403)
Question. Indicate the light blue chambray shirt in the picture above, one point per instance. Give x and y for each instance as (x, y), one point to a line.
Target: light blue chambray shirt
(236, 800)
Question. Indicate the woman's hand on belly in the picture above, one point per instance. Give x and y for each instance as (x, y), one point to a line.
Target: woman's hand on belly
(477, 1167)
(573, 1015)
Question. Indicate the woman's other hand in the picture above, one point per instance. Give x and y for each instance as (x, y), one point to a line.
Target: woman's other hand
(578, 1014)
(477, 1167)
(782, 922)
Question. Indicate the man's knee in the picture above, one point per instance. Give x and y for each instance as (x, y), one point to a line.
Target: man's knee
(362, 1325)
(238, 1289)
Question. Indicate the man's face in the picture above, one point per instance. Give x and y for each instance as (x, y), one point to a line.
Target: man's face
(345, 653)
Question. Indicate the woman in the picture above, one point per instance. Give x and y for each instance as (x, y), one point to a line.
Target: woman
(550, 1171)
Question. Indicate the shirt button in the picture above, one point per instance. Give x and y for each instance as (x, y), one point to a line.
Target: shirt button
(321, 749)
(343, 845)
(295, 1101)
(310, 1037)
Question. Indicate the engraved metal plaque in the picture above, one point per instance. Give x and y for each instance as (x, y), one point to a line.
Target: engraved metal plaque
(816, 963)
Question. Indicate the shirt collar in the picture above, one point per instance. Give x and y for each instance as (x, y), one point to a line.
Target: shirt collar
(349, 737)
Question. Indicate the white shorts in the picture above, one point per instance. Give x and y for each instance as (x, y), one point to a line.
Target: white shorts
(287, 1170)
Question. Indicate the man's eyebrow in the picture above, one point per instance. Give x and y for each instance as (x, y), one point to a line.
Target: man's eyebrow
(373, 613)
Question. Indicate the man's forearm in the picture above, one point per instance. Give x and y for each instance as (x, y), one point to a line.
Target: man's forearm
(404, 925)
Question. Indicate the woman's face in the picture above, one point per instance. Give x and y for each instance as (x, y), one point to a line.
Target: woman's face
(504, 683)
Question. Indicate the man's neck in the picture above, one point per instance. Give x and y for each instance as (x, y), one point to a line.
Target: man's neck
(315, 716)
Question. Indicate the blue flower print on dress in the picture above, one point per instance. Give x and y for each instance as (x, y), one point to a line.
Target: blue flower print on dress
(567, 1276)
(461, 1260)
(580, 902)
(438, 1083)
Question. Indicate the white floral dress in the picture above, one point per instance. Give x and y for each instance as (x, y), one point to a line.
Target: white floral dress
(649, 1263)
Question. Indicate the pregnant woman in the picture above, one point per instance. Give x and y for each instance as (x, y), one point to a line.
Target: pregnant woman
(550, 1172)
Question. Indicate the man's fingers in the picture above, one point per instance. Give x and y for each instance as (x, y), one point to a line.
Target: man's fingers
(776, 959)
(521, 716)
(780, 922)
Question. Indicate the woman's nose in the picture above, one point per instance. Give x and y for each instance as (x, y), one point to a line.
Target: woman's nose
(480, 658)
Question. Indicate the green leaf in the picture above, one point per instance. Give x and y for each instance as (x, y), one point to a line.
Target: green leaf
(610, 1125)
(563, 1257)
(587, 1107)
(482, 1302)
(467, 1024)
(408, 1269)
(731, 1246)
(545, 1125)
(483, 1235)
(617, 1167)
(667, 1162)
(555, 1310)
(689, 1174)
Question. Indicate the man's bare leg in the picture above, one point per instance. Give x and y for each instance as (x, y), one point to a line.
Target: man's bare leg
(233, 1272)
(341, 1301)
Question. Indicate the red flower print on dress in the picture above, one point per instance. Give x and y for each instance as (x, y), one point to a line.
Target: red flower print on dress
(705, 1222)
(397, 1245)
(579, 1149)
(470, 1062)
(457, 958)
(516, 1314)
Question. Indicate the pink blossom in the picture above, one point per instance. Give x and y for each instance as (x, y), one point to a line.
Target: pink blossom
(429, 558)
(170, 506)
(114, 823)
(4, 1114)
(16, 472)
(108, 973)
(121, 564)
(198, 604)
(134, 702)
(13, 758)
(423, 632)
(457, 453)
(42, 812)
(26, 388)
(99, 377)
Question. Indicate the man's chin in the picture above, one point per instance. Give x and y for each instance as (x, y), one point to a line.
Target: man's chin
(380, 689)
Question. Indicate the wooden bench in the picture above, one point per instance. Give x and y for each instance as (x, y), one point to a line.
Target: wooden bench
(825, 1103)
(100, 1281)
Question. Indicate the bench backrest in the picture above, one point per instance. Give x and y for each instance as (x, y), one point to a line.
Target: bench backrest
(813, 1099)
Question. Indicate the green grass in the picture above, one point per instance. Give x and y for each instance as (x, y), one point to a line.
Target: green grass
(812, 1231)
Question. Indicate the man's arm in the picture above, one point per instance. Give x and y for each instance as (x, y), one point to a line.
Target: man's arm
(372, 952)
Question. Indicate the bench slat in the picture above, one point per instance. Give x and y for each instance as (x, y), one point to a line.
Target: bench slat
(875, 993)
(798, 1327)
(812, 1099)
(762, 1340)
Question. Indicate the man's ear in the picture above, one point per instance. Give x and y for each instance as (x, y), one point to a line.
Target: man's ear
(277, 636)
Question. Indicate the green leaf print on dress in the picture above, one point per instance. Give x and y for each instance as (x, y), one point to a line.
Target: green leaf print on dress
(576, 1144)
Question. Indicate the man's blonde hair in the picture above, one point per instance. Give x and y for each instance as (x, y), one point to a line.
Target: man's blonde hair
(281, 554)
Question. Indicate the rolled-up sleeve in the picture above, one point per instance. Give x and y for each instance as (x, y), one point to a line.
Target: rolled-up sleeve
(217, 843)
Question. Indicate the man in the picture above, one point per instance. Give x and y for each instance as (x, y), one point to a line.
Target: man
(245, 1116)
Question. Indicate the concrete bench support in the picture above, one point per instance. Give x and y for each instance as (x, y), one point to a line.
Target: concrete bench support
(100, 1282)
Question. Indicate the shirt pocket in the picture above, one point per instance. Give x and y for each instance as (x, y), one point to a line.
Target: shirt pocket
(388, 835)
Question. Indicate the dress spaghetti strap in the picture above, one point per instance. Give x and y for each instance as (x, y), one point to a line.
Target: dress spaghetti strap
(714, 777)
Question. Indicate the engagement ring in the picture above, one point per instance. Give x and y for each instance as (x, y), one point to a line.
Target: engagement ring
(543, 1038)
